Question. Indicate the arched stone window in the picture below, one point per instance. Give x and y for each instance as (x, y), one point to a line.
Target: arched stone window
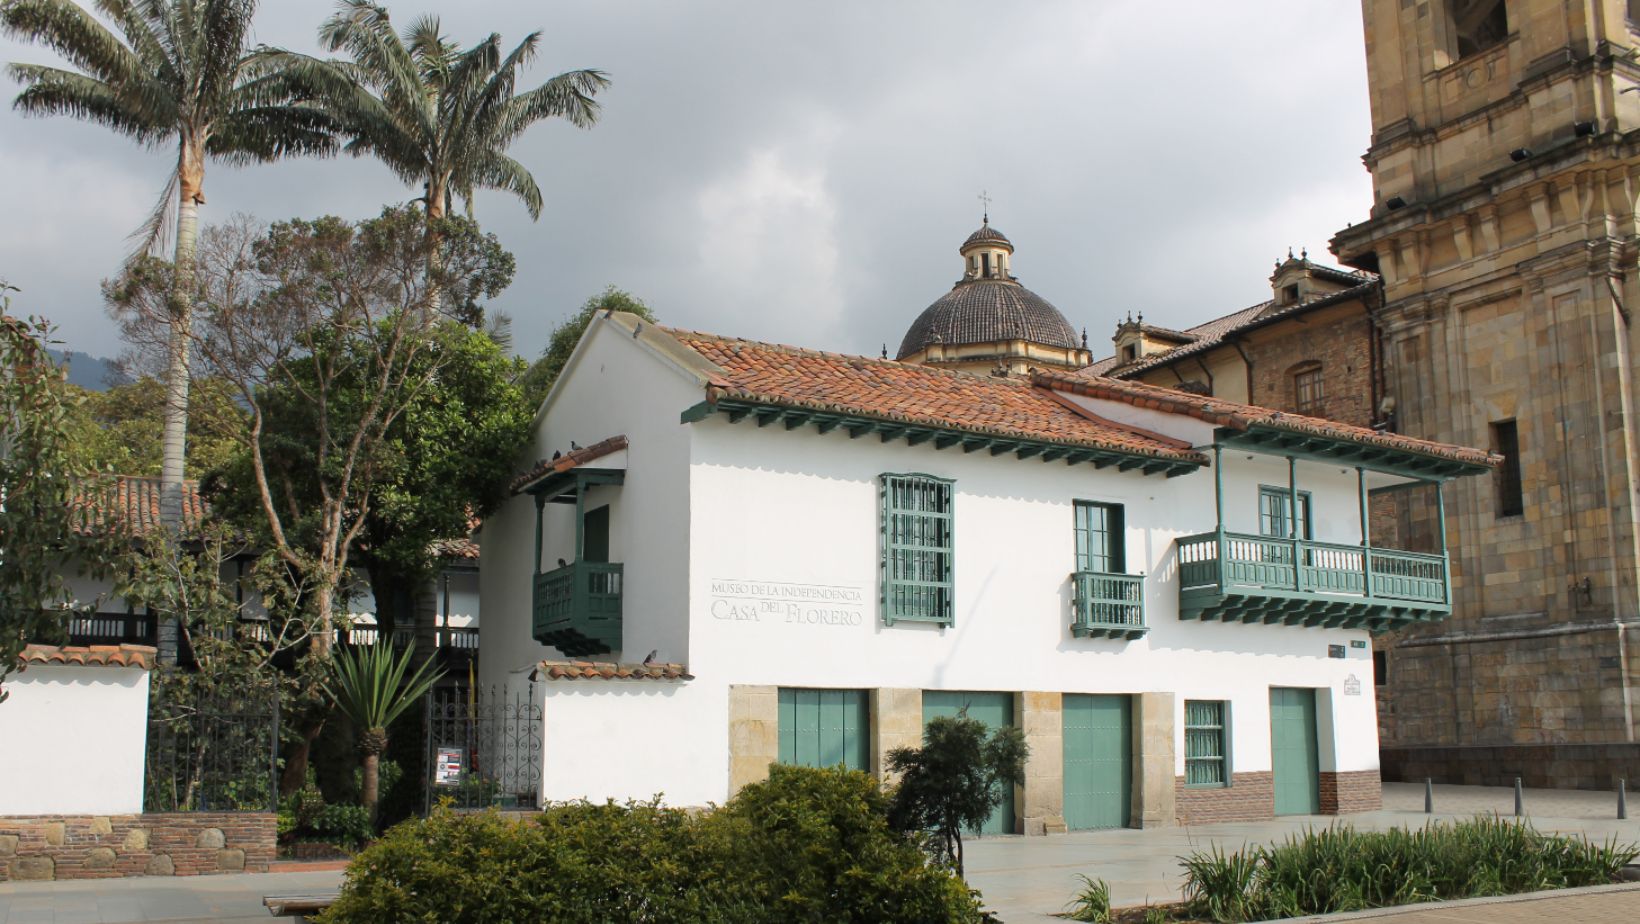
(1309, 388)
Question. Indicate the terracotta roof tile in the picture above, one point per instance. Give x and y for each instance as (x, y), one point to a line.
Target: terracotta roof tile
(881, 389)
(131, 502)
(610, 670)
(94, 656)
(572, 459)
(1223, 413)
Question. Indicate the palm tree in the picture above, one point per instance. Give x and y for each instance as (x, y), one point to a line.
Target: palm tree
(435, 114)
(369, 687)
(179, 71)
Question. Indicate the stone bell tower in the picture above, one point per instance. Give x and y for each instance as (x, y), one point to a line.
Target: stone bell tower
(1505, 162)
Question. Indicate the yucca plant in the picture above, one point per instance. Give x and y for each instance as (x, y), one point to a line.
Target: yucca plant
(369, 686)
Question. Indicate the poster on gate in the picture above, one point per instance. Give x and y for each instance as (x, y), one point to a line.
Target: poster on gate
(447, 768)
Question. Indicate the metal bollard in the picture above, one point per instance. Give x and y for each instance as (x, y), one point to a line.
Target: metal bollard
(1429, 796)
(1517, 798)
(1622, 798)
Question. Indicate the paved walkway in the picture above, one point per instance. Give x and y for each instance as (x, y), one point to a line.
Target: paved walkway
(1599, 905)
(1027, 879)
(1024, 879)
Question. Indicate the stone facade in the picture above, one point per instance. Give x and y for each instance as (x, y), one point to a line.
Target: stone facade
(754, 734)
(34, 847)
(1504, 232)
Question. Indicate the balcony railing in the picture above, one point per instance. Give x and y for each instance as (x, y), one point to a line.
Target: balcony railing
(1212, 565)
(578, 607)
(1108, 605)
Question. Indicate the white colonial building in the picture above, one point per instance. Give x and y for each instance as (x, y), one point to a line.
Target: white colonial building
(735, 553)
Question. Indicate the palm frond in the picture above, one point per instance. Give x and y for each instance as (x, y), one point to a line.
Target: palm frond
(53, 91)
(500, 172)
(222, 40)
(76, 35)
(569, 96)
(152, 238)
(265, 133)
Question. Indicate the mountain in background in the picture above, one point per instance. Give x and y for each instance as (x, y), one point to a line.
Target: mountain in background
(89, 372)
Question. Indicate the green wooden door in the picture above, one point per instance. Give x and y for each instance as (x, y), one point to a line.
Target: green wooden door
(824, 728)
(1294, 752)
(996, 710)
(1098, 735)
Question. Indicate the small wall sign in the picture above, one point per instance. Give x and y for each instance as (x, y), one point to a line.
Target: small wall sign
(447, 768)
(1357, 643)
(1352, 686)
(1335, 651)
(785, 602)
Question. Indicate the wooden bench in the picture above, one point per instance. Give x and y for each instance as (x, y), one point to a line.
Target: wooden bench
(298, 906)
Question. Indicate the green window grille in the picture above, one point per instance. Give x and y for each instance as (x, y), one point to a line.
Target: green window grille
(1100, 545)
(1206, 743)
(917, 549)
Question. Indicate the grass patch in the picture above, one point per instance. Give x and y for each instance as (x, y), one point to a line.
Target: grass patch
(1328, 870)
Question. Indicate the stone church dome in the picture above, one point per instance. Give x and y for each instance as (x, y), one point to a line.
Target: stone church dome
(988, 305)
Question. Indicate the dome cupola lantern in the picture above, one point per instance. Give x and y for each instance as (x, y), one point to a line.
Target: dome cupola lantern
(989, 322)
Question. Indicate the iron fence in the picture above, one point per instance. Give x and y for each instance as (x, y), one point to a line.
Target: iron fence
(483, 748)
(213, 756)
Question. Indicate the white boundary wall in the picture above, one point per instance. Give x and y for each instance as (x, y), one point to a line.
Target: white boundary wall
(73, 739)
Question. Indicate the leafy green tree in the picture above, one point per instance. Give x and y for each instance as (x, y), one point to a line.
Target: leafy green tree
(955, 780)
(369, 685)
(335, 317)
(40, 472)
(182, 71)
(436, 114)
(121, 429)
(538, 381)
(449, 458)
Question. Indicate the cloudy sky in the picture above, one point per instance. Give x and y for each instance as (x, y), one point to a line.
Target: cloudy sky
(805, 172)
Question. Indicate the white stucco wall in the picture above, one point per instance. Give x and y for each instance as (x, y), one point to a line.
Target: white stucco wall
(613, 385)
(73, 739)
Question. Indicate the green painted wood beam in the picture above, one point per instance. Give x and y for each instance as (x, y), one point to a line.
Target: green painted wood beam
(890, 433)
(795, 419)
(698, 412)
(918, 437)
(827, 424)
(1028, 450)
(947, 440)
(1057, 452)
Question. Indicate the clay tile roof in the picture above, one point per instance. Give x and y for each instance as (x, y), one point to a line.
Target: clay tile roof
(858, 386)
(131, 502)
(1235, 416)
(465, 549)
(95, 656)
(569, 460)
(610, 670)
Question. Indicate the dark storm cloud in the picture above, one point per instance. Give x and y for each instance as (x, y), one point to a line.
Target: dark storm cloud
(804, 172)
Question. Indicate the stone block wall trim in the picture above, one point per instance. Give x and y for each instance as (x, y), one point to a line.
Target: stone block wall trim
(1250, 797)
(1347, 792)
(35, 847)
(1546, 766)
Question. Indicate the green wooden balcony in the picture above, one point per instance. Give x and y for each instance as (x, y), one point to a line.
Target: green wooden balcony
(578, 608)
(1107, 605)
(1235, 577)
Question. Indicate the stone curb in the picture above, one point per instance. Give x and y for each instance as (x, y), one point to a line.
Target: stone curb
(1460, 903)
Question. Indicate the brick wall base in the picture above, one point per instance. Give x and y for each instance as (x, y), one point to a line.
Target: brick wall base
(113, 846)
(1351, 791)
(1249, 797)
(1548, 766)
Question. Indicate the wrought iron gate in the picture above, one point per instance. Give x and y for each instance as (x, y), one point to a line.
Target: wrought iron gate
(483, 748)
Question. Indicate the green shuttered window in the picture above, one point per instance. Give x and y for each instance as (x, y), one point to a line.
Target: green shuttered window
(1099, 538)
(824, 728)
(917, 548)
(1206, 743)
